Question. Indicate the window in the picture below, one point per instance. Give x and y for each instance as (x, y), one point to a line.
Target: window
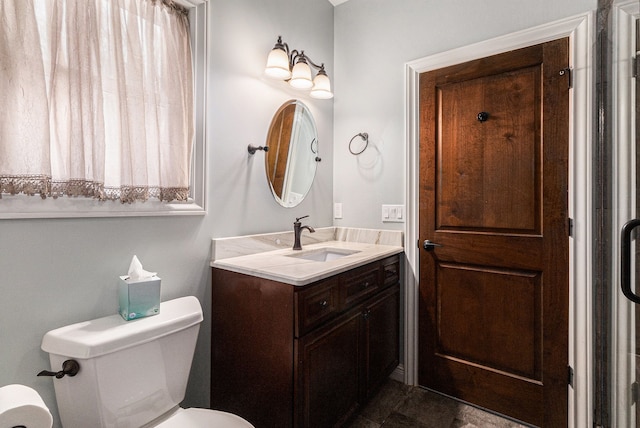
(102, 72)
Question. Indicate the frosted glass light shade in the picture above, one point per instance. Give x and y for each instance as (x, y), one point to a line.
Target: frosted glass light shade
(301, 76)
(321, 87)
(278, 64)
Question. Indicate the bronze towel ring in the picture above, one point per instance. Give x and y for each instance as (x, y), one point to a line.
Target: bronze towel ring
(365, 138)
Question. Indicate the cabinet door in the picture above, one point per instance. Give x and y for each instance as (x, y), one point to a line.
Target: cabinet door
(382, 338)
(327, 373)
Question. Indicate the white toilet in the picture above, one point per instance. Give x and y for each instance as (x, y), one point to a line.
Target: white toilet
(133, 374)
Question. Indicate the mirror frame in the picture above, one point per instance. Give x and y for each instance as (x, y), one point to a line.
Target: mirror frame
(292, 158)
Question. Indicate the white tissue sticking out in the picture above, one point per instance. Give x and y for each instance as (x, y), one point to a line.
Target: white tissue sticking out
(136, 272)
(23, 406)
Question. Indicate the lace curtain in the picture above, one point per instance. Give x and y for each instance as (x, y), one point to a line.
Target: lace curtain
(95, 99)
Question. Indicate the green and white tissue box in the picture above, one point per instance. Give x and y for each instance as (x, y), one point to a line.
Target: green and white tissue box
(139, 297)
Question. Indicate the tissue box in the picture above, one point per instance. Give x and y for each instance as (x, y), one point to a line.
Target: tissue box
(139, 298)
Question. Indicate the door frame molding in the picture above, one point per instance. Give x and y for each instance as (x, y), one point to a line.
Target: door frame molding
(579, 29)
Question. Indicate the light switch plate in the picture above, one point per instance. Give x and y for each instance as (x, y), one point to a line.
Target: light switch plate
(393, 213)
(337, 210)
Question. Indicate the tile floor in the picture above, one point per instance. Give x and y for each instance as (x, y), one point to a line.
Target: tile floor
(401, 406)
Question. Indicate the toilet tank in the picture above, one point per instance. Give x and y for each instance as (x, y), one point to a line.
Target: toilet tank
(131, 372)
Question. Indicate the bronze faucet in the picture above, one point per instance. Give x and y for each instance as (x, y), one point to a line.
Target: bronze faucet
(297, 230)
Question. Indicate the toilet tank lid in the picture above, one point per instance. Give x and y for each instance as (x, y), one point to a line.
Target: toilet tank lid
(101, 336)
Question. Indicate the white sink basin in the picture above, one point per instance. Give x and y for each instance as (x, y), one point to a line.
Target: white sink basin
(323, 254)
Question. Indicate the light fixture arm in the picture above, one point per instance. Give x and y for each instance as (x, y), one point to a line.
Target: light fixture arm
(305, 58)
(313, 64)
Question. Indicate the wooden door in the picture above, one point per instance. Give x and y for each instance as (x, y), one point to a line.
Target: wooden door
(494, 298)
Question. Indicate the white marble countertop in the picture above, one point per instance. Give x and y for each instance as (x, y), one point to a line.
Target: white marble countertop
(278, 265)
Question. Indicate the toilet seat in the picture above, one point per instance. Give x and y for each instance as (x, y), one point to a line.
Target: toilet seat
(204, 418)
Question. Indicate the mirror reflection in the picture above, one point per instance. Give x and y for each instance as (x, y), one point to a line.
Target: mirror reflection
(293, 153)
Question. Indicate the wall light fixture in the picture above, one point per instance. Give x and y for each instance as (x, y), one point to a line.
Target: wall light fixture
(294, 67)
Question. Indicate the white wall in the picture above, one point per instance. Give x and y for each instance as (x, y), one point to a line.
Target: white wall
(60, 271)
(373, 41)
(244, 101)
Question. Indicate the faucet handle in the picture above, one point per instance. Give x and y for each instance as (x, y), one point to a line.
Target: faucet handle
(300, 218)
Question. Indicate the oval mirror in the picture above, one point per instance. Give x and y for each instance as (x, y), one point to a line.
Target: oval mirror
(293, 153)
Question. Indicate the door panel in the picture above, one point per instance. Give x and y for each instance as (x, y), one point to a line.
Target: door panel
(324, 365)
(477, 191)
(382, 335)
(476, 304)
(493, 309)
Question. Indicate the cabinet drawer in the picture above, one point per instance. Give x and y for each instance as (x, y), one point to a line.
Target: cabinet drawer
(360, 284)
(315, 305)
(391, 271)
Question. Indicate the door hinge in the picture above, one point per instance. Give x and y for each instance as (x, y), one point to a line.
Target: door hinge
(570, 226)
(634, 392)
(570, 376)
(569, 73)
(635, 66)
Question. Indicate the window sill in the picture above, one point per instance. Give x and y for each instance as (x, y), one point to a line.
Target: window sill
(22, 207)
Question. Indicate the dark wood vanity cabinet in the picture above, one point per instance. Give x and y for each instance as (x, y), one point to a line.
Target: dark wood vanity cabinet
(309, 356)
